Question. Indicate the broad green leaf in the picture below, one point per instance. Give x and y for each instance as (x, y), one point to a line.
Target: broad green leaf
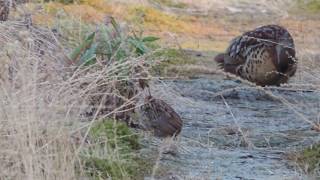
(104, 43)
(89, 57)
(115, 25)
(78, 51)
(140, 47)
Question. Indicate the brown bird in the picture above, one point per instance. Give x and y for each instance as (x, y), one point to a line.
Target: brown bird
(4, 9)
(161, 118)
(265, 56)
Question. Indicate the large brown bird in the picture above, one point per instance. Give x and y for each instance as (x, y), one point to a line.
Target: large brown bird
(265, 56)
(161, 118)
(4, 9)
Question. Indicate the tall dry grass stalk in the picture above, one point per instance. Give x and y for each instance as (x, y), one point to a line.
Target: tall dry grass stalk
(43, 122)
(35, 135)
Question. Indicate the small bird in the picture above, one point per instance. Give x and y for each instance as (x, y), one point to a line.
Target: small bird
(161, 118)
(4, 9)
(265, 56)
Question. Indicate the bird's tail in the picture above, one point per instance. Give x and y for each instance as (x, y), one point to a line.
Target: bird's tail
(220, 60)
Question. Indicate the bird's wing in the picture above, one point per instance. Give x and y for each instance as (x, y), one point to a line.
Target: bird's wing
(235, 52)
(270, 34)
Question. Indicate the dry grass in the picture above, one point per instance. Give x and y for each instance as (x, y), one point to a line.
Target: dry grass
(35, 118)
(43, 100)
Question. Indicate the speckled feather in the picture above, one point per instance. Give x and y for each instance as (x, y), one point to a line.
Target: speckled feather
(163, 120)
(269, 35)
(254, 55)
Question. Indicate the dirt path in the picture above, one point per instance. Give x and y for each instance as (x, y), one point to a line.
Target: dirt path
(245, 135)
(235, 131)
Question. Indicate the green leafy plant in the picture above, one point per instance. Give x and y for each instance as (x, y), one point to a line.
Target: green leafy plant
(140, 43)
(110, 43)
(85, 52)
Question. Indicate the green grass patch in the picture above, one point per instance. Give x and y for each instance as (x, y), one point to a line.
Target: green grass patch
(113, 152)
(311, 158)
(171, 3)
(117, 134)
(311, 6)
(172, 57)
